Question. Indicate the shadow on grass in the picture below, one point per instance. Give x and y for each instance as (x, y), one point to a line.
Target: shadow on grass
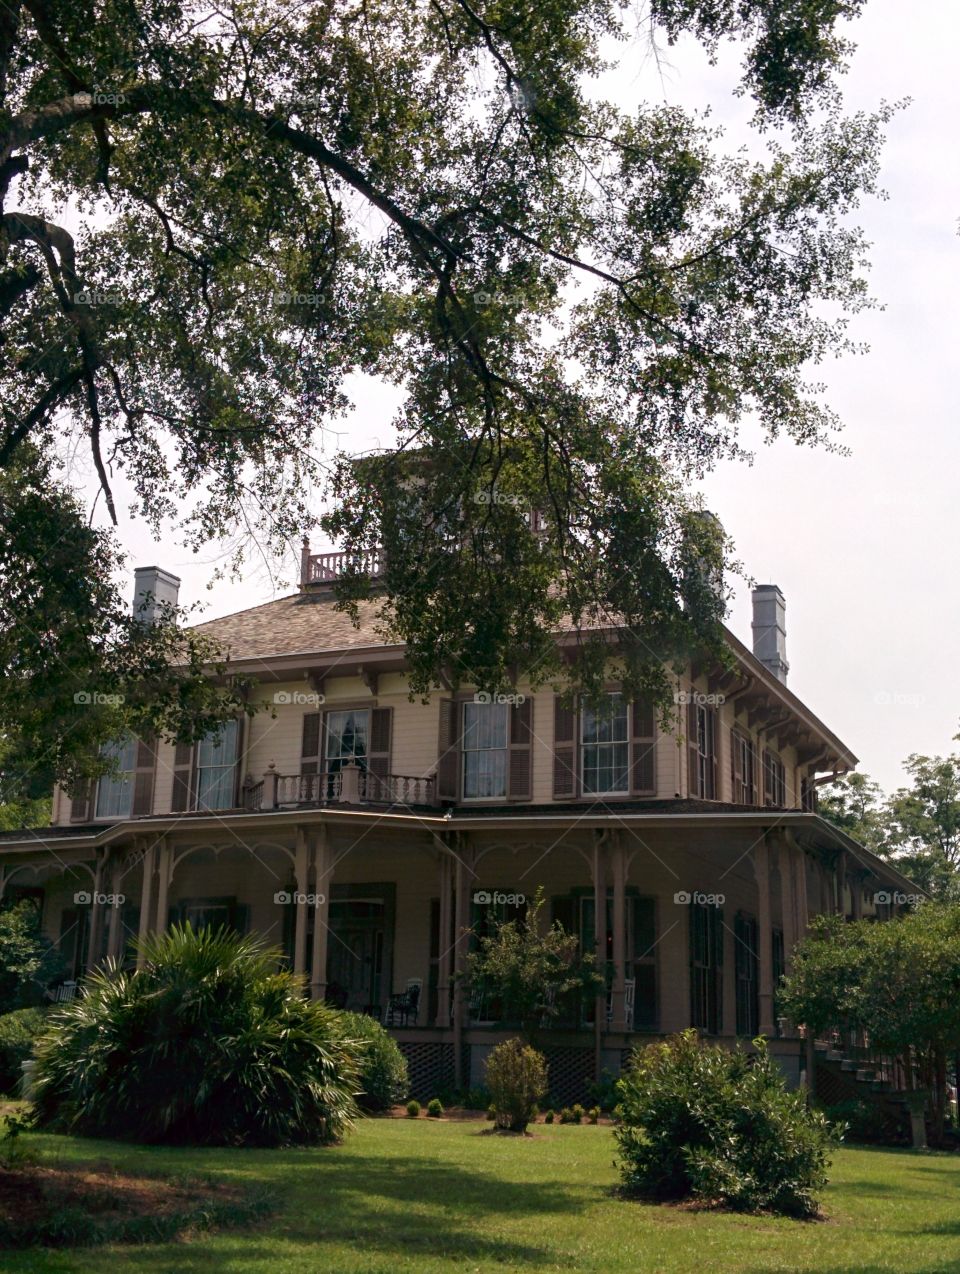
(400, 1204)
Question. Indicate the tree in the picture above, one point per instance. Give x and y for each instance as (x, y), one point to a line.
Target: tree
(527, 968)
(213, 216)
(922, 823)
(852, 802)
(898, 983)
(28, 962)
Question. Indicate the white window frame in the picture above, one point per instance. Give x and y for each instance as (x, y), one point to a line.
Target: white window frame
(227, 733)
(120, 783)
(609, 745)
(333, 764)
(479, 710)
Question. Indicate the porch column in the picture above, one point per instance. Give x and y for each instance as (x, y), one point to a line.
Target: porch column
(463, 871)
(787, 901)
(164, 877)
(599, 946)
(96, 910)
(803, 905)
(114, 936)
(323, 856)
(856, 895)
(300, 870)
(619, 1017)
(146, 896)
(761, 862)
(444, 951)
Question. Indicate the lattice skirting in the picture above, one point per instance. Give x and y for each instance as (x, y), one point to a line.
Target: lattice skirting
(431, 1068)
(570, 1071)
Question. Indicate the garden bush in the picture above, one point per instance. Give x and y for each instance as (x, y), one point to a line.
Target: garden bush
(517, 1079)
(206, 1043)
(18, 1030)
(435, 1108)
(384, 1080)
(861, 1120)
(701, 1122)
(413, 1110)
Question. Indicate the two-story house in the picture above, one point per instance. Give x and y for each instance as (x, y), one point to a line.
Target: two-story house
(370, 836)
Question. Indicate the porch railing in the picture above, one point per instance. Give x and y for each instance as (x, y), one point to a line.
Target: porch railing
(325, 568)
(350, 785)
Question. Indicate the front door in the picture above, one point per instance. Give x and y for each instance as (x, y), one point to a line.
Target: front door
(355, 953)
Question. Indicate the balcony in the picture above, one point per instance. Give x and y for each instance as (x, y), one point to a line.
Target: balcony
(351, 785)
(327, 568)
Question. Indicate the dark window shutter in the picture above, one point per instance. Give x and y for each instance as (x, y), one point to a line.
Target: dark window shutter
(736, 765)
(448, 751)
(143, 778)
(693, 755)
(563, 909)
(310, 746)
(242, 722)
(381, 726)
(643, 743)
(81, 804)
(182, 777)
(564, 749)
(520, 778)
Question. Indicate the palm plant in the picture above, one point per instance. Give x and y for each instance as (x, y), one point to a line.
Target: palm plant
(205, 1043)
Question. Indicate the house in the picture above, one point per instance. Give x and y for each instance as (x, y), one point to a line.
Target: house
(371, 837)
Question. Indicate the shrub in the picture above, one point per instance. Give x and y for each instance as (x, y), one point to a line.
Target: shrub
(18, 1031)
(859, 1120)
(413, 1110)
(491, 1112)
(435, 1108)
(699, 1121)
(577, 1113)
(566, 1115)
(548, 1117)
(384, 1080)
(594, 1114)
(603, 1093)
(517, 1079)
(206, 1043)
(28, 961)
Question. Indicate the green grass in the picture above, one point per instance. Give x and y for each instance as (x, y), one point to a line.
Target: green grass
(431, 1196)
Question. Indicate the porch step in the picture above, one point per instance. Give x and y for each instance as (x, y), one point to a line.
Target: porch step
(820, 1046)
(865, 1074)
(848, 1065)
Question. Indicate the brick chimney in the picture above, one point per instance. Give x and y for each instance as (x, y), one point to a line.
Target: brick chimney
(161, 587)
(770, 630)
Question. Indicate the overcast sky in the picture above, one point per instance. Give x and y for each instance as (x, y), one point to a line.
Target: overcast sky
(864, 547)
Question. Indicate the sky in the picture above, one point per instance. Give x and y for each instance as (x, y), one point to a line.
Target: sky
(864, 547)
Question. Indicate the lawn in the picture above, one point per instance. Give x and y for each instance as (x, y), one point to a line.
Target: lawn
(431, 1197)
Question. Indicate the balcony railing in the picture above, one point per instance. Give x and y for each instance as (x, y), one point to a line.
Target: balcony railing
(326, 568)
(350, 785)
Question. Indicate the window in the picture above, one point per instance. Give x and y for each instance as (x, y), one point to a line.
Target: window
(115, 791)
(217, 768)
(747, 969)
(485, 748)
(704, 777)
(774, 780)
(347, 734)
(605, 748)
(742, 769)
(706, 968)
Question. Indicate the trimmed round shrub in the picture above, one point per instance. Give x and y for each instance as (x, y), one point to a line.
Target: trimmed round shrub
(517, 1079)
(548, 1117)
(413, 1109)
(384, 1080)
(205, 1044)
(702, 1122)
(435, 1108)
(18, 1030)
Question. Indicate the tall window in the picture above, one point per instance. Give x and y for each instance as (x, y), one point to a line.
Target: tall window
(742, 769)
(485, 748)
(705, 776)
(217, 768)
(347, 734)
(605, 747)
(706, 968)
(774, 780)
(747, 967)
(115, 791)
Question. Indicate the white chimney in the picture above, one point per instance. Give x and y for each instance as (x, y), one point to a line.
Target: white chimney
(770, 630)
(161, 587)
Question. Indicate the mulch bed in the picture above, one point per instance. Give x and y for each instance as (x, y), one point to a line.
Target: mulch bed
(63, 1205)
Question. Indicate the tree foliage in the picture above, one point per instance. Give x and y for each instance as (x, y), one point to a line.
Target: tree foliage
(29, 962)
(214, 216)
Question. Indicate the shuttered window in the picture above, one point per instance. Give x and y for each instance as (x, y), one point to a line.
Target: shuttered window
(748, 972)
(347, 736)
(741, 759)
(485, 749)
(115, 791)
(605, 746)
(774, 780)
(701, 743)
(217, 757)
(706, 968)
